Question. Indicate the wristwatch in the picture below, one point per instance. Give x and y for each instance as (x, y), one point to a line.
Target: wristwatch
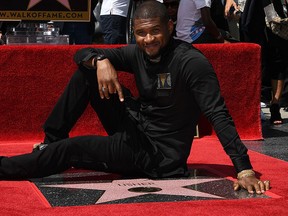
(98, 57)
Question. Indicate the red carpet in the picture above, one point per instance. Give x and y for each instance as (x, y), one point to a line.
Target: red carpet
(23, 198)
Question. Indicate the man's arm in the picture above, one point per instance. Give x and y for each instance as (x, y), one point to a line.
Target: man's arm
(205, 88)
(100, 60)
(107, 79)
(210, 25)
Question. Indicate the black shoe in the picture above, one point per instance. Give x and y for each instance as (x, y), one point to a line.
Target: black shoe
(39, 147)
(275, 114)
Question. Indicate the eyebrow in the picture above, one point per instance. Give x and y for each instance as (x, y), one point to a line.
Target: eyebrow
(154, 26)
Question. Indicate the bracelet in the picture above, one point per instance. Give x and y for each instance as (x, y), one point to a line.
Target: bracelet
(245, 173)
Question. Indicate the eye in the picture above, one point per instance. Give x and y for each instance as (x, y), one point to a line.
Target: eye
(155, 31)
(141, 33)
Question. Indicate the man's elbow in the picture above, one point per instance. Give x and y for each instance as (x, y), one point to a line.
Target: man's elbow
(84, 54)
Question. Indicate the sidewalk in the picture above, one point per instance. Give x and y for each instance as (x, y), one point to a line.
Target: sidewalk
(266, 112)
(275, 137)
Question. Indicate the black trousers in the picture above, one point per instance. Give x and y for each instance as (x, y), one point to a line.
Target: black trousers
(114, 29)
(114, 153)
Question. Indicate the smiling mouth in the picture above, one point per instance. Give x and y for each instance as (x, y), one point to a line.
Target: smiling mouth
(150, 46)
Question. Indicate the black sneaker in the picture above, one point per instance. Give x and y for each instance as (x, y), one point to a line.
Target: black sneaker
(39, 147)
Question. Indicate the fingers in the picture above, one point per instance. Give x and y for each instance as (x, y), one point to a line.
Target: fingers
(252, 186)
(107, 79)
(119, 91)
(235, 5)
(266, 184)
(101, 91)
(250, 189)
(261, 187)
(228, 6)
(226, 11)
(105, 90)
(236, 186)
(112, 89)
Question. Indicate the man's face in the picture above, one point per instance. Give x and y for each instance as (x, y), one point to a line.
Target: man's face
(152, 35)
(172, 8)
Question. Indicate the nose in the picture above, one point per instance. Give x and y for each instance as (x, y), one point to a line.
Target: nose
(148, 38)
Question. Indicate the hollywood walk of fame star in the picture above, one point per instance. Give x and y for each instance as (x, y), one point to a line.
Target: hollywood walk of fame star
(122, 189)
(34, 2)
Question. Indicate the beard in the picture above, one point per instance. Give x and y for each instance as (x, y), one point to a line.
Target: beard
(154, 56)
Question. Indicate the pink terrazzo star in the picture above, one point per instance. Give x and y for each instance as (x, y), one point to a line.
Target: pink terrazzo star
(122, 189)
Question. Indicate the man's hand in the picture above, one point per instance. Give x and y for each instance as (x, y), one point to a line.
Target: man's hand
(230, 4)
(252, 184)
(108, 80)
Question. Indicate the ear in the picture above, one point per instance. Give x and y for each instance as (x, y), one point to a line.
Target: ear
(170, 26)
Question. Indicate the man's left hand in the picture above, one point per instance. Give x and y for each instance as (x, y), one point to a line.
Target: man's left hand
(252, 184)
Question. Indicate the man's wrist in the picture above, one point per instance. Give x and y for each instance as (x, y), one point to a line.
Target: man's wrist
(98, 57)
(245, 173)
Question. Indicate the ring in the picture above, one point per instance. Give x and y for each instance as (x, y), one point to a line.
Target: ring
(103, 88)
(266, 181)
(258, 182)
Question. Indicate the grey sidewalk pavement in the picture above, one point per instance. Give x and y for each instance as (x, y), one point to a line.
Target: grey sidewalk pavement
(275, 142)
(266, 112)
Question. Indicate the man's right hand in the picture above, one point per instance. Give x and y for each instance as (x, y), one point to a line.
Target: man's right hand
(108, 80)
(230, 4)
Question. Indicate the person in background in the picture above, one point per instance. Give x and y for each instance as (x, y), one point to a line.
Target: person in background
(113, 21)
(253, 28)
(172, 9)
(217, 15)
(277, 56)
(79, 32)
(1, 40)
(195, 24)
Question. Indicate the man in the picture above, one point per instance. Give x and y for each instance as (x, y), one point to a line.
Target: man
(195, 23)
(80, 32)
(149, 136)
(172, 10)
(113, 20)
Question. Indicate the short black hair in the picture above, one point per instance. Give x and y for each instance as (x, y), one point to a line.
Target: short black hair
(151, 9)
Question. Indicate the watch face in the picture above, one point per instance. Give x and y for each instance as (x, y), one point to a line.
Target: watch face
(100, 57)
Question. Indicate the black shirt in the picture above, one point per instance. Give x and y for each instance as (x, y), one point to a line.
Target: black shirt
(172, 94)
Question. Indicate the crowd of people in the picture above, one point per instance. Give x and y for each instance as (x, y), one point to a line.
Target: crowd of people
(254, 27)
